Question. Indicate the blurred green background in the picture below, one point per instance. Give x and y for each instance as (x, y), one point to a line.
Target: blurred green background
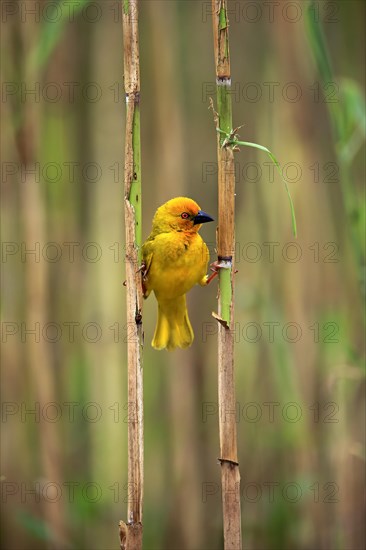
(298, 87)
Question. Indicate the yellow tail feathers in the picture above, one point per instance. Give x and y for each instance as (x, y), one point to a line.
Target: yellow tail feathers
(173, 329)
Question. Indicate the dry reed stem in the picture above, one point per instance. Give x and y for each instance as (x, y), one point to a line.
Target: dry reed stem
(131, 531)
(230, 475)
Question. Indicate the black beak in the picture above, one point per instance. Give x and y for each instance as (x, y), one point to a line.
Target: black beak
(202, 217)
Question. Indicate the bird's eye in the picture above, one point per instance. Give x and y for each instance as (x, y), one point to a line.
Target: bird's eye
(184, 215)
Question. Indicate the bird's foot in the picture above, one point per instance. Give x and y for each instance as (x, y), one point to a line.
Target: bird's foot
(142, 269)
(215, 268)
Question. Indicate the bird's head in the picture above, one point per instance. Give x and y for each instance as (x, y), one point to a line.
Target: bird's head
(179, 214)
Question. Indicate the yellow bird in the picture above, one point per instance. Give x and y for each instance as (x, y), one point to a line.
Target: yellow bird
(175, 259)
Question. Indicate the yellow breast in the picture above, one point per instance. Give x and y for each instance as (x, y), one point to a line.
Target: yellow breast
(179, 261)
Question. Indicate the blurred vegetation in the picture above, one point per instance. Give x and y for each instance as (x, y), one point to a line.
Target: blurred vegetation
(298, 89)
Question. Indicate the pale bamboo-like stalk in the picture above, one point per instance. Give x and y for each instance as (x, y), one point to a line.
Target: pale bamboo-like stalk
(230, 475)
(131, 531)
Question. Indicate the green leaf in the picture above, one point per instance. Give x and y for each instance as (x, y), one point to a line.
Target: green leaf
(317, 41)
(354, 116)
(53, 28)
(126, 6)
(222, 19)
(278, 166)
(36, 526)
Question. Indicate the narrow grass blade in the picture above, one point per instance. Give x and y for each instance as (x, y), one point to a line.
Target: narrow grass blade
(278, 166)
(52, 29)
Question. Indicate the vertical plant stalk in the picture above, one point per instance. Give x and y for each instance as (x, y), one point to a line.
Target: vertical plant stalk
(230, 475)
(336, 110)
(131, 531)
(38, 353)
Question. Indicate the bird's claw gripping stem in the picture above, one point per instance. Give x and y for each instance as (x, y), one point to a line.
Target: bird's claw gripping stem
(215, 268)
(142, 269)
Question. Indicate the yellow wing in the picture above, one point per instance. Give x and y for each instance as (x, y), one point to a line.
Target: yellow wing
(147, 258)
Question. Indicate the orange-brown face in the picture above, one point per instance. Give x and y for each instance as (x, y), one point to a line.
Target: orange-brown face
(180, 214)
